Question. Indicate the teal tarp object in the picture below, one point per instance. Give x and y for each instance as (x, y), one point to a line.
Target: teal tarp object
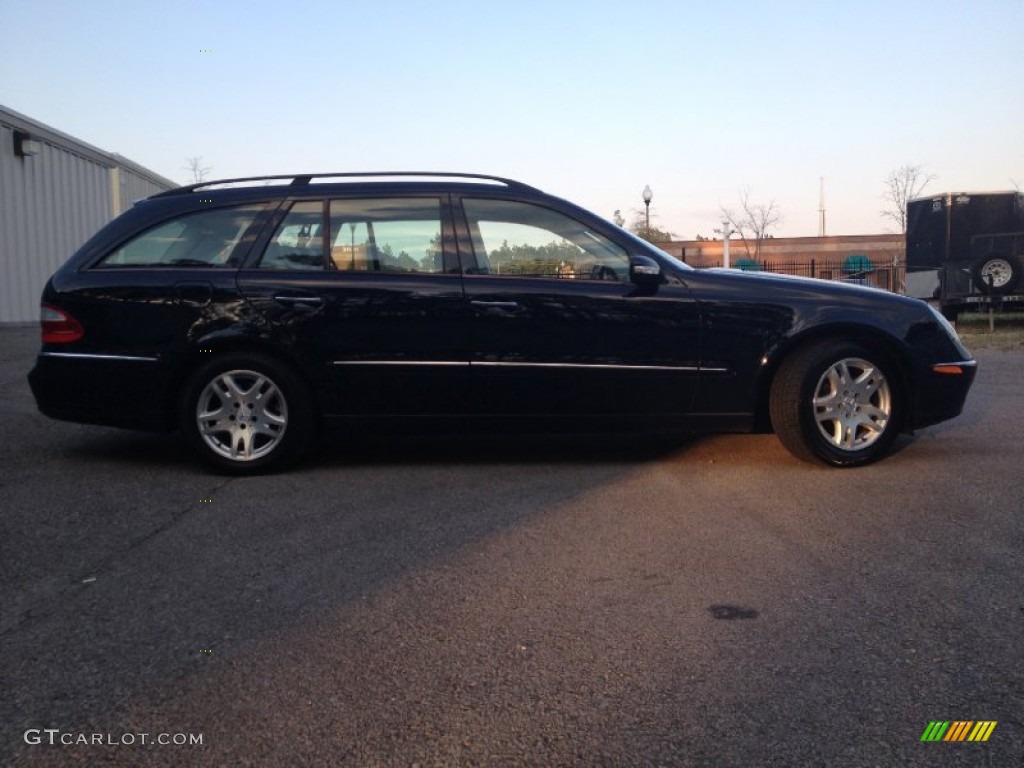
(857, 263)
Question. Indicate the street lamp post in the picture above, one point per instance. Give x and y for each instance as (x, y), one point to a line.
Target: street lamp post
(648, 196)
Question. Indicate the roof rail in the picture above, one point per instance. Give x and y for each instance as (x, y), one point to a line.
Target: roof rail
(303, 179)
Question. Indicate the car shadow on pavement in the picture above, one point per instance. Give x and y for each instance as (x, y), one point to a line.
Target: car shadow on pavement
(95, 445)
(140, 449)
(104, 444)
(488, 449)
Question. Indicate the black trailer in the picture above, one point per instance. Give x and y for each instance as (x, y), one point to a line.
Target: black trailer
(966, 250)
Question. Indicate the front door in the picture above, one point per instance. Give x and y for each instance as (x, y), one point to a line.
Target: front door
(556, 325)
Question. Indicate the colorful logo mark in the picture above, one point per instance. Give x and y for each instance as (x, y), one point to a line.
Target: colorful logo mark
(958, 730)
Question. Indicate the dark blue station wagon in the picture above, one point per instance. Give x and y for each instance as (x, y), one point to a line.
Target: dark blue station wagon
(249, 312)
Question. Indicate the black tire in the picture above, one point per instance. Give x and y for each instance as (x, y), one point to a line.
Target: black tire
(859, 404)
(247, 413)
(996, 275)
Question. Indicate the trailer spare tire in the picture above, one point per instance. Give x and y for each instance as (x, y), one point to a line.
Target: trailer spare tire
(996, 274)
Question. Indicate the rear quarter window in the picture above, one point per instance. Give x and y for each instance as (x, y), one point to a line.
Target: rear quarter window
(201, 239)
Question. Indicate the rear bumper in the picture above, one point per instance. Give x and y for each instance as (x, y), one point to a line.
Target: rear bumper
(941, 395)
(111, 390)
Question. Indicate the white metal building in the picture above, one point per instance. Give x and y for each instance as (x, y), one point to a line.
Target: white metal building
(55, 192)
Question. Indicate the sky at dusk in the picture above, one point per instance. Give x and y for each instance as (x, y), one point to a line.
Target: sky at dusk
(590, 101)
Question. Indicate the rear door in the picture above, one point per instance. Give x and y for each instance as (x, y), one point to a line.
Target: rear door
(368, 291)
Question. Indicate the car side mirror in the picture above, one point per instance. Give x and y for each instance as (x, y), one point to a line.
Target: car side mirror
(644, 272)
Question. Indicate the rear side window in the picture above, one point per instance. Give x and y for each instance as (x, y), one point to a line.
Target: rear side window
(364, 235)
(204, 239)
(298, 242)
(387, 235)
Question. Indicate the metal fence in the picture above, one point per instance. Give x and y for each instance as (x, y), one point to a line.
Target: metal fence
(888, 277)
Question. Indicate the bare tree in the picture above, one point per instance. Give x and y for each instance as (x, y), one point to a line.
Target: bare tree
(753, 221)
(901, 186)
(196, 169)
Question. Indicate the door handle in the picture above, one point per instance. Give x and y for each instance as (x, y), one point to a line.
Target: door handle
(300, 301)
(496, 304)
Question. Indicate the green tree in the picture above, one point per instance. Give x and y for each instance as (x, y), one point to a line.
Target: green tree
(405, 261)
(652, 234)
(522, 259)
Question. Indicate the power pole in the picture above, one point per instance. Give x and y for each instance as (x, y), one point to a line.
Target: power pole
(726, 232)
(821, 207)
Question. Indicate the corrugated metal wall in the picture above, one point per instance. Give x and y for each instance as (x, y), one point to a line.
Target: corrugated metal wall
(135, 187)
(51, 203)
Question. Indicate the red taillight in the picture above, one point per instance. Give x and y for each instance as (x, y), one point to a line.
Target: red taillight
(58, 326)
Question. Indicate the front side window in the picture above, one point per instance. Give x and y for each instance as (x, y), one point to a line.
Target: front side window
(204, 239)
(513, 238)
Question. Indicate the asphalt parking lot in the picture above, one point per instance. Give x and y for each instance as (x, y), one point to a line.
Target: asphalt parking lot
(528, 601)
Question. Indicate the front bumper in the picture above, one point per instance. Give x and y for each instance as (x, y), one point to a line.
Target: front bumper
(942, 392)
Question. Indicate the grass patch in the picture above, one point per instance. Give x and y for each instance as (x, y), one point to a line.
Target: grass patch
(973, 328)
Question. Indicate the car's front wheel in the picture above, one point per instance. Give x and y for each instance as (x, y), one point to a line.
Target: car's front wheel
(836, 402)
(247, 413)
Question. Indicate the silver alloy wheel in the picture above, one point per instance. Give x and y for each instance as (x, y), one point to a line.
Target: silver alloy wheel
(852, 404)
(997, 272)
(242, 415)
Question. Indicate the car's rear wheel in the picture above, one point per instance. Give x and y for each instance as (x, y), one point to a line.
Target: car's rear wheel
(836, 402)
(247, 414)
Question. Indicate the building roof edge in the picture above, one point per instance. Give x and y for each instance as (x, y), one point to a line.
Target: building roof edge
(51, 135)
